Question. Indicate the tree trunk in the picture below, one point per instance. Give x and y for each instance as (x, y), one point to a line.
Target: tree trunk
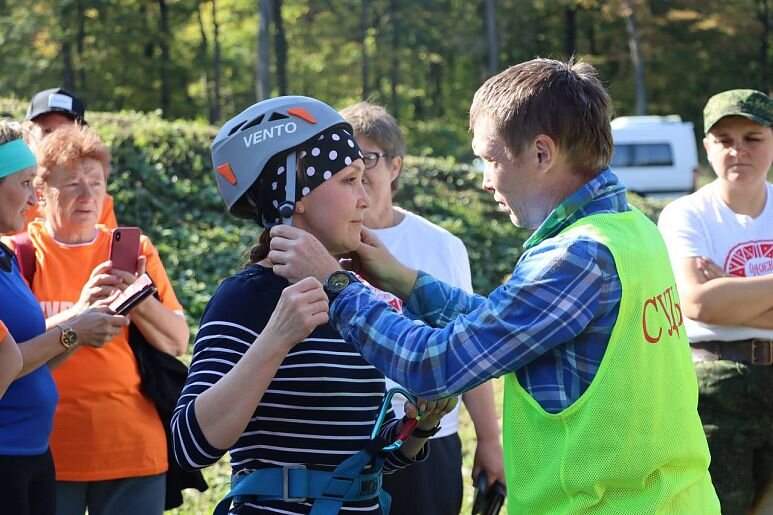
(280, 46)
(491, 38)
(763, 15)
(364, 11)
(436, 82)
(634, 43)
(203, 63)
(217, 101)
(164, 38)
(570, 30)
(68, 75)
(79, 48)
(68, 67)
(590, 34)
(263, 87)
(395, 55)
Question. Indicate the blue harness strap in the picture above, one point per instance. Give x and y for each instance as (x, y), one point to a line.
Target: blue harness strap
(326, 490)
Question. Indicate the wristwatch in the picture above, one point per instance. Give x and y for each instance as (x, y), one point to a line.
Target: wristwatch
(337, 281)
(68, 338)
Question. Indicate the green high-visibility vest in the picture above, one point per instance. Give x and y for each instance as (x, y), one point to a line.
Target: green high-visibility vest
(633, 442)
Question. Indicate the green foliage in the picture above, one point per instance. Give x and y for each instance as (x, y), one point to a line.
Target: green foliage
(439, 138)
(449, 194)
(162, 182)
(648, 205)
(422, 60)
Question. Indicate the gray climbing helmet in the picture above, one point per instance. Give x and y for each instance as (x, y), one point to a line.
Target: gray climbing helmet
(249, 140)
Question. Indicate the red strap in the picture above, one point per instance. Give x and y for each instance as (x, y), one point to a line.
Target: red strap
(25, 254)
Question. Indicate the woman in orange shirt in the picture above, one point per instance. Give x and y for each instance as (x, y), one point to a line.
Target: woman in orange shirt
(108, 443)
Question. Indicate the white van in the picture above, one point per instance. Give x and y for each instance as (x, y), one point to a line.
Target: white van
(655, 155)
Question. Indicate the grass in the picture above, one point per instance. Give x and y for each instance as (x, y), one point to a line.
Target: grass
(197, 503)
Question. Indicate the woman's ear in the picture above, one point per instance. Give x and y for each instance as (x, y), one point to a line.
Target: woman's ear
(397, 166)
(299, 208)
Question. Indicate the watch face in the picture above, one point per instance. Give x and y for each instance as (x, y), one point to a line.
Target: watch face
(338, 281)
(69, 337)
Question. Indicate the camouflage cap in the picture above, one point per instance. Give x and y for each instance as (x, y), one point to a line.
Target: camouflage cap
(749, 103)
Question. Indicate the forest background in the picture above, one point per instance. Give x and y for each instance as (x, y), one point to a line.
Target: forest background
(208, 59)
(159, 76)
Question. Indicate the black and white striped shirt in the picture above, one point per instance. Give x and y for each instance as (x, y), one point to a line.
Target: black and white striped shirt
(318, 410)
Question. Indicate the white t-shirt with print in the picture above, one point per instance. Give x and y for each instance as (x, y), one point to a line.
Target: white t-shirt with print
(418, 243)
(702, 224)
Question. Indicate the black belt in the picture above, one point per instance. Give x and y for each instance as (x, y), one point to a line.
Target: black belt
(752, 352)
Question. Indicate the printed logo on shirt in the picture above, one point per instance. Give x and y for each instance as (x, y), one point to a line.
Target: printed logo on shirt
(750, 259)
(54, 307)
(662, 314)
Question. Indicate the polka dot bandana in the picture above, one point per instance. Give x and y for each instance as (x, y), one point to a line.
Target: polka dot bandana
(318, 160)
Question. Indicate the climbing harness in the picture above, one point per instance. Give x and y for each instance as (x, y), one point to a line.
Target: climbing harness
(326, 490)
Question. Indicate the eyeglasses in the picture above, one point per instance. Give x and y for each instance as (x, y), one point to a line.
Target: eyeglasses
(371, 158)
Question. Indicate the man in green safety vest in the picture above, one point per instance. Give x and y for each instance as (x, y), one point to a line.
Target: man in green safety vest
(600, 409)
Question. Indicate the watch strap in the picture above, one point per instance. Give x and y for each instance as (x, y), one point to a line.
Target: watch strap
(425, 433)
(333, 284)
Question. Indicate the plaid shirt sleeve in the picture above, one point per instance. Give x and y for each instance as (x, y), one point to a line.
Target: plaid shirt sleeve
(552, 296)
(437, 303)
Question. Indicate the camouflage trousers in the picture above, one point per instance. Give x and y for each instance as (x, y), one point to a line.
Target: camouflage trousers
(736, 408)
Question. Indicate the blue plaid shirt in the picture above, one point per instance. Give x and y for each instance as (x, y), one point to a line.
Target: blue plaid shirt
(550, 323)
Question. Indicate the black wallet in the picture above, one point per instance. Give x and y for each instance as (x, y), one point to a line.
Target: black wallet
(488, 499)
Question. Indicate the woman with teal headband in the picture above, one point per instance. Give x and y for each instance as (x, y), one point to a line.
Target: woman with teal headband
(10, 357)
(27, 408)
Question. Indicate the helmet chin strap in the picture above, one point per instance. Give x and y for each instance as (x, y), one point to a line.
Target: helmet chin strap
(287, 207)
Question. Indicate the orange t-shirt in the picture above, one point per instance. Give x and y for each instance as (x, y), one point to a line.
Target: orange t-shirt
(104, 427)
(106, 218)
(3, 331)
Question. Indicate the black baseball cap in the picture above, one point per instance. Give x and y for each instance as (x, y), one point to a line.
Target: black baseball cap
(56, 100)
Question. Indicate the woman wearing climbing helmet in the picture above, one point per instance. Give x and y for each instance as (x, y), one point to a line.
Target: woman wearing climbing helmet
(270, 381)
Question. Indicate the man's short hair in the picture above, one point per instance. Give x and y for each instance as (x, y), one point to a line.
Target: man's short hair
(375, 123)
(67, 147)
(563, 100)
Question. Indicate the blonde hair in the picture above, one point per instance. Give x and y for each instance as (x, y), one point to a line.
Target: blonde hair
(10, 130)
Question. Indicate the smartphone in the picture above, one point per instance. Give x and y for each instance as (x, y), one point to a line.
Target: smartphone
(141, 289)
(125, 248)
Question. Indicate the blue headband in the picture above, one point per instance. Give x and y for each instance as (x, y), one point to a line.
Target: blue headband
(15, 156)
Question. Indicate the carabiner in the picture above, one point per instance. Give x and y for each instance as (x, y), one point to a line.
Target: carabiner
(408, 426)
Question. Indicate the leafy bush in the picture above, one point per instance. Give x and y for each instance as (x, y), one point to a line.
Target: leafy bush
(449, 194)
(439, 138)
(162, 181)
